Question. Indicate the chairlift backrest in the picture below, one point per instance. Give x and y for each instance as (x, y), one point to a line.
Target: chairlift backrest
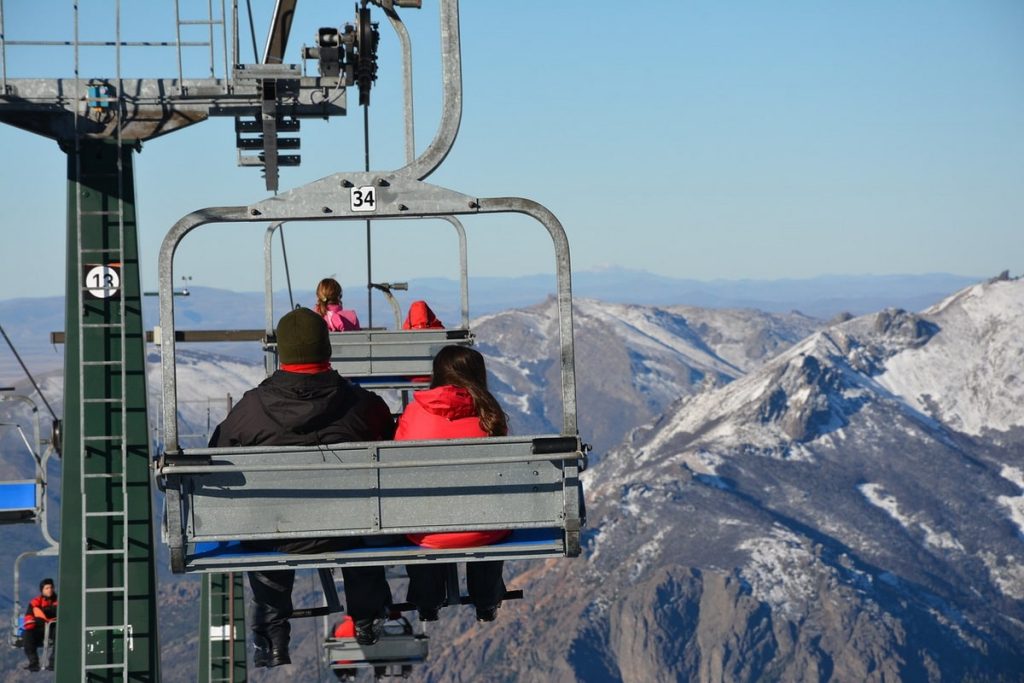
(20, 501)
(385, 358)
(24, 500)
(375, 489)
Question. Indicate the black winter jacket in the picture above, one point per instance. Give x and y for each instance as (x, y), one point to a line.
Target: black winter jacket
(292, 409)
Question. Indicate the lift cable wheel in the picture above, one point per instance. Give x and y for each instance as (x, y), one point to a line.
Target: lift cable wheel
(367, 40)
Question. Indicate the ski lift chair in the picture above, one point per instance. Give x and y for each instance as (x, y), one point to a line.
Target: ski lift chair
(529, 484)
(23, 501)
(20, 501)
(394, 655)
(379, 359)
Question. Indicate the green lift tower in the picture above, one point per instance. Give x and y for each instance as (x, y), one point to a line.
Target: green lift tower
(108, 614)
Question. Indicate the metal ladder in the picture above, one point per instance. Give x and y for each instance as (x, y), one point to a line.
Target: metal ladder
(222, 629)
(103, 485)
(211, 22)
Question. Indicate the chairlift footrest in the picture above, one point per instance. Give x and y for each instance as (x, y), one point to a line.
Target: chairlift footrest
(315, 612)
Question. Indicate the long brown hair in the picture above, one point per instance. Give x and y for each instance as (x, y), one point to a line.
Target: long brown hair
(327, 292)
(462, 366)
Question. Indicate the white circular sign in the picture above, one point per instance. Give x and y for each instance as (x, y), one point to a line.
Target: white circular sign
(102, 282)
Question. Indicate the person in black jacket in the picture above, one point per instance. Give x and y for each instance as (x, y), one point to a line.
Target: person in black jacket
(306, 403)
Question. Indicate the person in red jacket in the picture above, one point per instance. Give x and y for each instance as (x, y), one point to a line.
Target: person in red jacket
(420, 317)
(42, 610)
(346, 628)
(457, 406)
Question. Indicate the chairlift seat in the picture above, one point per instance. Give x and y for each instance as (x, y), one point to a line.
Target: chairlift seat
(386, 359)
(391, 649)
(20, 501)
(219, 556)
(222, 495)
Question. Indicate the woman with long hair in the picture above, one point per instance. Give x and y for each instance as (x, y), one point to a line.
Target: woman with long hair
(328, 305)
(457, 405)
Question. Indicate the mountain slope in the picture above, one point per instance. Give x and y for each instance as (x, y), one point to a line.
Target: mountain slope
(631, 361)
(806, 522)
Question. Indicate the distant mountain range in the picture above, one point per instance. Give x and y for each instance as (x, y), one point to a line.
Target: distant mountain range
(851, 510)
(30, 321)
(772, 496)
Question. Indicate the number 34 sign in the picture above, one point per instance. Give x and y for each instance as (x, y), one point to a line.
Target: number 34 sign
(103, 281)
(363, 198)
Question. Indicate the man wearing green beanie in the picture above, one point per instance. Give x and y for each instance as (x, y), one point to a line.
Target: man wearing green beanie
(306, 403)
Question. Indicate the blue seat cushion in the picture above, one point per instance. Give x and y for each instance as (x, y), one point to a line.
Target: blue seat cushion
(17, 496)
(211, 549)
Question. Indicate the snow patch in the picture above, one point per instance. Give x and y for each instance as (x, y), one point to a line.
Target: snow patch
(646, 553)
(877, 496)
(1015, 504)
(778, 571)
(968, 374)
(1007, 574)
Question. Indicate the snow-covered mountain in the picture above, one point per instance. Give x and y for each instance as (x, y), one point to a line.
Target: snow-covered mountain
(801, 502)
(631, 361)
(845, 512)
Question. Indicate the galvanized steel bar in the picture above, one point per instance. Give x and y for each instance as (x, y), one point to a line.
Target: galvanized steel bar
(3, 53)
(106, 43)
(171, 470)
(177, 42)
(268, 277)
(165, 274)
(463, 269)
(563, 275)
(209, 7)
(224, 36)
(410, 127)
(451, 104)
(234, 41)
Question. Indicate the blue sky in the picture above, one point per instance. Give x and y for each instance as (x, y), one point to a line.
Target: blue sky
(691, 139)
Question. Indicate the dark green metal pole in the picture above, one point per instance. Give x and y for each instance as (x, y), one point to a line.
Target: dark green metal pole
(107, 584)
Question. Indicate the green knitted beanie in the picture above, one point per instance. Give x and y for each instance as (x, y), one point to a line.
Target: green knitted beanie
(302, 337)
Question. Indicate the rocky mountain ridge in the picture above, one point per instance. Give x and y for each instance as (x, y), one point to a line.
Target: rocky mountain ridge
(800, 502)
(805, 522)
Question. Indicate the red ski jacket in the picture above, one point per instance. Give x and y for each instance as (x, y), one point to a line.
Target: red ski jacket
(421, 318)
(47, 606)
(346, 628)
(445, 413)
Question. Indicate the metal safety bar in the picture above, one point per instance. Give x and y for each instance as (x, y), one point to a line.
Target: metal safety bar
(373, 449)
(398, 197)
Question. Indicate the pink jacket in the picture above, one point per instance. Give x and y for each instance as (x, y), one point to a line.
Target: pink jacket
(340, 319)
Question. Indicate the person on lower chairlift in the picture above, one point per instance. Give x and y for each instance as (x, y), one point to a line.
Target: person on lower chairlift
(421, 317)
(328, 305)
(344, 629)
(42, 610)
(456, 406)
(306, 403)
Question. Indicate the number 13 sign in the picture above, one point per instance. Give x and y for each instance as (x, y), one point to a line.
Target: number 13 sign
(103, 281)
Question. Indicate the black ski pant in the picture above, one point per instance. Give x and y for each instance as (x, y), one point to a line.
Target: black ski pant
(33, 640)
(366, 590)
(428, 585)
